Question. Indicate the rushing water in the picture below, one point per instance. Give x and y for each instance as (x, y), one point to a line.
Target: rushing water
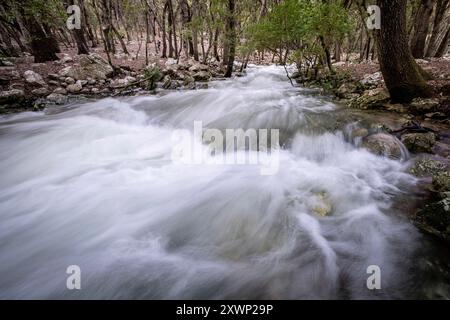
(94, 185)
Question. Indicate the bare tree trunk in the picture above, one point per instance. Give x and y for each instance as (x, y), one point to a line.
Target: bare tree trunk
(440, 27)
(421, 27)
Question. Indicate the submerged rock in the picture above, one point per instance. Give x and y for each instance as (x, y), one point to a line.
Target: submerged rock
(322, 204)
(419, 142)
(384, 145)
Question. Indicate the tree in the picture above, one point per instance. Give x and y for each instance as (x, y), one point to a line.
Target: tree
(231, 37)
(402, 75)
(421, 26)
(78, 34)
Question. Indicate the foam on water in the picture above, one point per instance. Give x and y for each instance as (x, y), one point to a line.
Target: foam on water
(95, 186)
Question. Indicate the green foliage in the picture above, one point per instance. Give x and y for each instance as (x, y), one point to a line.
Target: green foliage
(297, 26)
(152, 76)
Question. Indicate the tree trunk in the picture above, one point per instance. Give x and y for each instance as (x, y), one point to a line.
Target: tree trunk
(439, 27)
(231, 37)
(78, 34)
(401, 73)
(421, 27)
(443, 48)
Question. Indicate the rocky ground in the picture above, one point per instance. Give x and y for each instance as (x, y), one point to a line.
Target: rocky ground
(32, 86)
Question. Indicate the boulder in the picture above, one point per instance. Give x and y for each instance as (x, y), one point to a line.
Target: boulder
(360, 133)
(422, 106)
(69, 80)
(373, 79)
(441, 182)
(120, 83)
(427, 167)
(66, 59)
(41, 92)
(53, 76)
(345, 90)
(321, 204)
(74, 88)
(383, 144)
(202, 76)
(198, 67)
(435, 218)
(89, 66)
(189, 83)
(11, 97)
(57, 98)
(60, 91)
(375, 98)
(34, 78)
(419, 142)
(6, 63)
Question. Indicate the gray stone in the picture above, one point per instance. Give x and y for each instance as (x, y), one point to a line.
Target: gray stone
(423, 106)
(441, 182)
(89, 66)
(70, 80)
(419, 142)
(202, 76)
(11, 96)
(384, 145)
(60, 91)
(41, 92)
(57, 98)
(74, 88)
(371, 99)
(427, 167)
(34, 78)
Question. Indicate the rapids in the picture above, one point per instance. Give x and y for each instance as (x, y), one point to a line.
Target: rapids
(93, 184)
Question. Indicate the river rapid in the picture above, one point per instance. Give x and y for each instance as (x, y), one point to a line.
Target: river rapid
(94, 185)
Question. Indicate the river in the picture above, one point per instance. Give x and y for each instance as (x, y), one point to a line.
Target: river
(94, 185)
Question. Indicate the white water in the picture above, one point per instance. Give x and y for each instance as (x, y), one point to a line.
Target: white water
(94, 186)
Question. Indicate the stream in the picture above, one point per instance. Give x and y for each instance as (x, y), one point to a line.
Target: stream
(93, 184)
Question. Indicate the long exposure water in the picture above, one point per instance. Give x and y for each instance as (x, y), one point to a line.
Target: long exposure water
(94, 185)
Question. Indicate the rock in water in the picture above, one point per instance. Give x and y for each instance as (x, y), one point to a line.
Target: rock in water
(57, 98)
(383, 144)
(202, 76)
(419, 142)
(427, 167)
(441, 182)
(435, 218)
